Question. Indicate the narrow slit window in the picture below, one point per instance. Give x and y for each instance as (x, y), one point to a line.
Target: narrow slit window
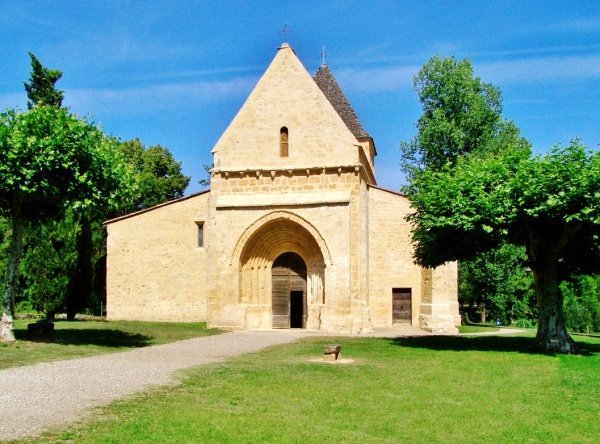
(200, 234)
(283, 142)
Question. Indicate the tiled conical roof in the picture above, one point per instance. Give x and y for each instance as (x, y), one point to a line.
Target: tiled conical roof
(327, 83)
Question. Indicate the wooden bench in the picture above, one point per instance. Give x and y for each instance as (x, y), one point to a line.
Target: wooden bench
(37, 330)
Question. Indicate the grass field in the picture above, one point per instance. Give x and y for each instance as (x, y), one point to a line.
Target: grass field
(413, 390)
(477, 329)
(85, 338)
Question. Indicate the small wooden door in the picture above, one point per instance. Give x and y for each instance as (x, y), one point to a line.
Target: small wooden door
(280, 295)
(402, 306)
(288, 292)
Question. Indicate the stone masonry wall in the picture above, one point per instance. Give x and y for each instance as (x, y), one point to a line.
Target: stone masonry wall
(390, 256)
(226, 304)
(155, 269)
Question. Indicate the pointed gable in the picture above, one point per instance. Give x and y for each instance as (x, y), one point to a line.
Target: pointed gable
(286, 102)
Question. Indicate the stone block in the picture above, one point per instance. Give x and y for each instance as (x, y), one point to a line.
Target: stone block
(332, 352)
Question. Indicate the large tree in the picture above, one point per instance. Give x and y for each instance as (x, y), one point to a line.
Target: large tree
(582, 303)
(49, 260)
(62, 284)
(549, 204)
(475, 186)
(50, 159)
(158, 174)
(462, 116)
(41, 87)
(498, 284)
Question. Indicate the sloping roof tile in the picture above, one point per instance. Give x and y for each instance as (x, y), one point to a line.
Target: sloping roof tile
(327, 83)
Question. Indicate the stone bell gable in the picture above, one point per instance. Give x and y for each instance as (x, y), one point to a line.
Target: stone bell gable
(286, 122)
(294, 232)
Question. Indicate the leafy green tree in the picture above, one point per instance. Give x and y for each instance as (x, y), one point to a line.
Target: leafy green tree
(49, 160)
(582, 303)
(4, 242)
(49, 260)
(47, 289)
(499, 284)
(205, 182)
(80, 283)
(158, 175)
(41, 89)
(549, 204)
(461, 115)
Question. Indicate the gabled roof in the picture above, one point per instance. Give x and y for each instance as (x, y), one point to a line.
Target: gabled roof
(327, 83)
(287, 96)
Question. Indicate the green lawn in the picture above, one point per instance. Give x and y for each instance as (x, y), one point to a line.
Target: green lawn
(84, 338)
(415, 390)
(477, 329)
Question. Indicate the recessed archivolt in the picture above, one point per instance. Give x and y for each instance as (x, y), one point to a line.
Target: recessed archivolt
(278, 235)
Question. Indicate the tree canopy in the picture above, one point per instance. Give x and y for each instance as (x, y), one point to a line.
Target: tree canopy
(475, 186)
(41, 87)
(158, 174)
(461, 115)
(549, 204)
(49, 259)
(63, 177)
(51, 159)
(499, 284)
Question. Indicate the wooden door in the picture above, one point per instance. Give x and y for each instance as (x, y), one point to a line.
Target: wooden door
(402, 306)
(289, 292)
(281, 298)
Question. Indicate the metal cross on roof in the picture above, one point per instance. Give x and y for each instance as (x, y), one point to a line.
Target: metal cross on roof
(323, 54)
(285, 31)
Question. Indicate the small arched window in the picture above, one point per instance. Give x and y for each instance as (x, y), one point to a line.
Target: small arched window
(283, 142)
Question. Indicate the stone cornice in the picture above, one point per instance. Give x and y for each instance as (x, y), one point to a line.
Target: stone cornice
(357, 168)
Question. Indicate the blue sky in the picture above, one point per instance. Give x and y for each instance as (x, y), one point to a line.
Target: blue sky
(175, 73)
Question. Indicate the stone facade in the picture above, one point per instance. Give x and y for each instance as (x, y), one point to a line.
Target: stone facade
(293, 180)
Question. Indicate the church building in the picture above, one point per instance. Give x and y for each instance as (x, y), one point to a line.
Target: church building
(293, 233)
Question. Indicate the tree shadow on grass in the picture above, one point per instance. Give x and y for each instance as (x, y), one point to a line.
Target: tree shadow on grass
(484, 343)
(109, 338)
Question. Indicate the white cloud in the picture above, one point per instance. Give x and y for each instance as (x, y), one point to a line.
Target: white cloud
(536, 51)
(155, 98)
(200, 73)
(541, 69)
(384, 79)
(579, 24)
(524, 71)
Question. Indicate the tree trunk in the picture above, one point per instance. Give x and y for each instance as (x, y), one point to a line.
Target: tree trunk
(552, 333)
(544, 250)
(7, 322)
(80, 285)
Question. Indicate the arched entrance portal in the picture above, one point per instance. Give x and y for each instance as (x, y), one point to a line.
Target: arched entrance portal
(289, 308)
(282, 273)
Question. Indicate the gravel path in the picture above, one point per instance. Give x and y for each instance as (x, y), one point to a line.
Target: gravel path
(37, 397)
